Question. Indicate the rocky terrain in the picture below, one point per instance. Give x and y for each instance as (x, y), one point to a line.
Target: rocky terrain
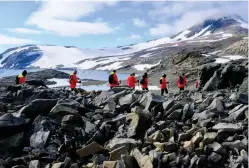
(124, 128)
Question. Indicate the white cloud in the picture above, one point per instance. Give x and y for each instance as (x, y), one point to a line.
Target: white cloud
(139, 22)
(131, 37)
(161, 30)
(23, 30)
(8, 40)
(62, 17)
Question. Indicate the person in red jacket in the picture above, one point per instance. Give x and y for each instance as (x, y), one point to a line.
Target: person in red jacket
(144, 82)
(180, 83)
(163, 85)
(196, 84)
(73, 80)
(113, 79)
(21, 78)
(131, 81)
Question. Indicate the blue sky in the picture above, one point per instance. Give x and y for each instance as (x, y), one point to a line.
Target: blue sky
(88, 24)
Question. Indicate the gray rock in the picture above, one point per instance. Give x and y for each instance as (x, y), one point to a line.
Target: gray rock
(176, 114)
(216, 106)
(242, 98)
(228, 127)
(184, 137)
(205, 104)
(197, 138)
(99, 100)
(185, 111)
(161, 124)
(39, 139)
(127, 99)
(216, 147)
(90, 149)
(116, 143)
(214, 157)
(239, 114)
(168, 104)
(238, 144)
(170, 146)
(90, 128)
(235, 108)
(151, 99)
(209, 137)
(143, 161)
(109, 108)
(129, 161)
(34, 164)
(116, 154)
(97, 117)
(203, 115)
(11, 143)
(213, 83)
(64, 107)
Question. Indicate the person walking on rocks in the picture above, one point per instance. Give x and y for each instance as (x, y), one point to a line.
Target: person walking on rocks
(180, 83)
(113, 79)
(163, 85)
(131, 81)
(21, 78)
(144, 82)
(73, 80)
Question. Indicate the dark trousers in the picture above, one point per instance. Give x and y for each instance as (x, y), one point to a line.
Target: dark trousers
(181, 89)
(145, 89)
(164, 90)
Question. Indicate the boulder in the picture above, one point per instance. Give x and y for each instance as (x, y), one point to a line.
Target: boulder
(205, 104)
(10, 125)
(156, 137)
(116, 143)
(239, 114)
(214, 157)
(213, 83)
(188, 146)
(89, 149)
(37, 107)
(197, 138)
(209, 137)
(242, 98)
(202, 116)
(109, 108)
(64, 107)
(36, 83)
(176, 114)
(216, 147)
(116, 154)
(150, 99)
(129, 161)
(185, 111)
(34, 164)
(127, 100)
(168, 104)
(13, 144)
(90, 128)
(142, 160)
(99, 100)
(228, 127)
(39, 139)
(216, 106)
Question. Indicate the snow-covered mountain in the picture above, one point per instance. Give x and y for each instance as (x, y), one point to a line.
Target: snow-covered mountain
(49, 56)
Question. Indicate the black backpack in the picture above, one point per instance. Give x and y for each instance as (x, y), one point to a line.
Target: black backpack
(181, 80)
(17, 80)
(142, 81)
(160, 81)
(111, 79)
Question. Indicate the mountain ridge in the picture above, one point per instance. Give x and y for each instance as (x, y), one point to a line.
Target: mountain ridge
(52, 56)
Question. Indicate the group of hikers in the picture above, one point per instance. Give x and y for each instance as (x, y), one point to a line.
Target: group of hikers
(131, 81)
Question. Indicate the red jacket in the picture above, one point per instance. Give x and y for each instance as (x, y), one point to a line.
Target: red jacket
(196, 84)
(163, 85)
(73, 81)
(145, 85)
(131, 81)
(179, 84)
(21, 78)
(185, 80)
(115, 80)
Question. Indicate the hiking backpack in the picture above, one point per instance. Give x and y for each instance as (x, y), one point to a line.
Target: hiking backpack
(181, 80)
(160, 81)
(142, 81)
(17, 80)
(111, 78)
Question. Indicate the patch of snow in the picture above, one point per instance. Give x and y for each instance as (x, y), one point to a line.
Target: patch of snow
(215, 52)
(146, 55)
(59, 82)
(234, 57)
(207, 33)
(226, 35)
(242, 23)
(182, 36)
(88, 64)
(115, 65)
(206, 55)
(219, 32)
(245, 38)
(200, 33)
(154, 48)
(149, 87)
(222, 60)
(142, 67)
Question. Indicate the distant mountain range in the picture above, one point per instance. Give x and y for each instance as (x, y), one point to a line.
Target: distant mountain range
(210, 34)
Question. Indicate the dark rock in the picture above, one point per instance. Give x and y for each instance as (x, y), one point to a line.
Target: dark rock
(37, 107)
(175, 114)
(89, 149)
(36, 83)
(161, 124)
(202, 116)
(185, 111)
(239, 114)
(168, 104)
(150, 99)
(214, 157)
(242, 98)
(213, 83)
(10, 125)
(184, 137)
(64, 107)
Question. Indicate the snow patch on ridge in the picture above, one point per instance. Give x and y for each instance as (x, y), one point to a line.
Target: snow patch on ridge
(142, 67)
